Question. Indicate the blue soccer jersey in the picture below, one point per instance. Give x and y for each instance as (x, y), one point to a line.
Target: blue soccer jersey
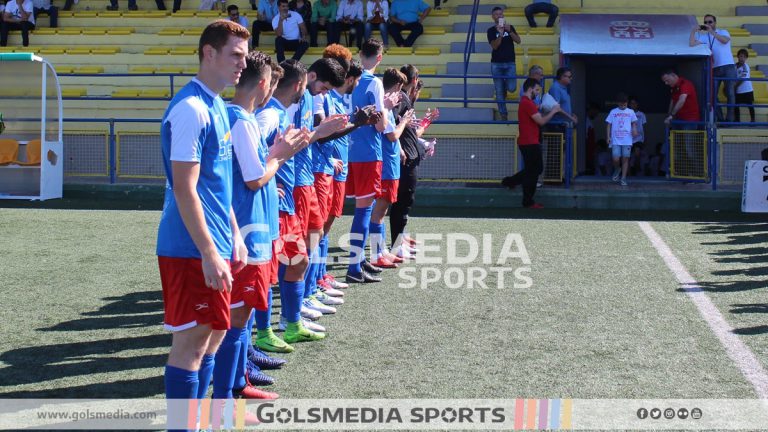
(304, 118)
(365, 141)
(273, 118)
(390, 153)
(337, 105)
(195, 128)
(324, 154)
(249, 164)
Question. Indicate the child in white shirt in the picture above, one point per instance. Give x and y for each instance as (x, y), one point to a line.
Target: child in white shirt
(621, 128)
(744, 92)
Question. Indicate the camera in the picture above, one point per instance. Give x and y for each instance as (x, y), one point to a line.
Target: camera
(703, 27)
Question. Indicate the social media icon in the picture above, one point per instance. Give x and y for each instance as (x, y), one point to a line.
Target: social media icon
(696, 413)
(642, 413)
(669, 413)
(682, 413)
(655, 413)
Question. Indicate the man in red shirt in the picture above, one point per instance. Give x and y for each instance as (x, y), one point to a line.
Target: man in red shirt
(529, 120)
(684, 106)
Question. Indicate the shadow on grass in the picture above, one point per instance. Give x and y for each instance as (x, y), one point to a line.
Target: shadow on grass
(729, 286)
(116, 357)
(749, 308)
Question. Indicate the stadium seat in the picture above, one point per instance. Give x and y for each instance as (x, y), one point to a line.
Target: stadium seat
(52, 50)
(155, 93)
(125, 93)
(425, 94)
(156, 51)
(191, 70)
(123, 31)
(94, 31)
(434, 30)
(47, 31)
(545, 31)
(7, 49)
(169, 70)
(73, 92)
(170, 32)
(739, 32)
(9, 150)
(185, 51)
(85, 14)
(544, 62)
(142, 69)
(439, 13)
(110, 14)
(400, 51)
(33, 153)
(64, 69)
(78, 51)
(434, 51)
(71, 31)
(105, 50)
(540, 51)
(761, 92)
(208, 14)
(193, 31)
(185, 13)
(427, 70)
(89, 70)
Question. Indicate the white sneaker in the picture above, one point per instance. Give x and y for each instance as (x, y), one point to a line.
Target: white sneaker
(308, 312)
(314, 304)
(624, 182)
(333, 292)
(309, 325)
(616, 176)
(330, 280)
(328, 300)
(403, 253)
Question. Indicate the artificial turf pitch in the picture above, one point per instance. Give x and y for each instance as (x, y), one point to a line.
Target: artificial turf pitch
(81, 315)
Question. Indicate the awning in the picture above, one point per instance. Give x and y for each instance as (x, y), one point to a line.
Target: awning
(600, 34)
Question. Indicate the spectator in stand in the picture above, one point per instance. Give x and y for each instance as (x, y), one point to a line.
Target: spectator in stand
(290, 33)
(349, 17)
(234, 15)
(503, 37)
(378, 15)
(407, 15)
(303, 7)
(18, 15)
(719, 42)
(541, 6)
(684, 106)
(559, 91)
(45, 7)
(744, 91)
(2, 10)
(268, 10)
(537, 72)
(323, 17)
(113, 6)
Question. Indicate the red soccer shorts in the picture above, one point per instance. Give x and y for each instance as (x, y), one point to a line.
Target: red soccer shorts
(389, 190)
(187, 300)
(324, 190)
(337, 198)
(364, 179)
(290, 248)
(307, 209)
(251, 286)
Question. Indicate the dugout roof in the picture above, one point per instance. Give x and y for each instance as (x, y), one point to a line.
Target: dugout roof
(614, 34)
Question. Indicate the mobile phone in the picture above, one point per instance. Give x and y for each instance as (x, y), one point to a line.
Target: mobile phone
(703, 27)
(501, 22)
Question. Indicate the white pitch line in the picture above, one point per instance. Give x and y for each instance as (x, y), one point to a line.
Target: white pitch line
(744, 358)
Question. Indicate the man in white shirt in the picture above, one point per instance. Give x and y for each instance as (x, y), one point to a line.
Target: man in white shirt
(723, 66)
(290, 31)
(349, 17)
(18, 15)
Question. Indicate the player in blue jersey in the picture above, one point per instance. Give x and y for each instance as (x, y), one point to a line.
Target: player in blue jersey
(323, 75)
(364, 179)
(198, 244)
(392, 155)
(254, 167)
(291, 249)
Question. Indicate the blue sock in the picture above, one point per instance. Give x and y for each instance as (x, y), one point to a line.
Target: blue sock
(359, 232)
(376, 240)
(291, 296)
(179, 384)
(239, 379)
(263, 318)
(323, 257)
(226, 363)
(204, 375)
(310, 280)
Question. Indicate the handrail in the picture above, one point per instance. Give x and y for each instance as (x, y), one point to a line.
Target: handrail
(469, 46)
